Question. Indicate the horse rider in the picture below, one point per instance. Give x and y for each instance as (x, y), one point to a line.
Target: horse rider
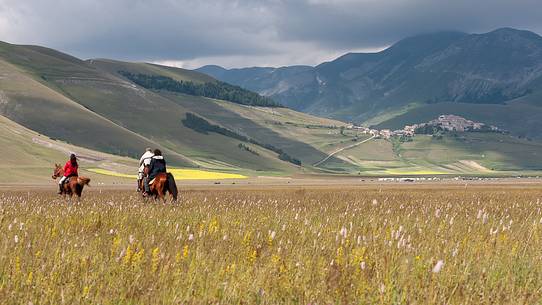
(70, 170)
(144, 161)
(158, 165)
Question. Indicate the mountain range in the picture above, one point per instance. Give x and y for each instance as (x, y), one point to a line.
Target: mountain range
(245, 120)
(494, 77)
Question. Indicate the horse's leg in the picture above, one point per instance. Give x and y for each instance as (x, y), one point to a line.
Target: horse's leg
(73, 190)
(160, 192)
(78, 193)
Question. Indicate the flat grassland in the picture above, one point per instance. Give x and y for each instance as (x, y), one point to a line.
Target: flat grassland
(425, 244)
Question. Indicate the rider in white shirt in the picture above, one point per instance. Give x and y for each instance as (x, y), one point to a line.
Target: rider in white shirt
(144, 161)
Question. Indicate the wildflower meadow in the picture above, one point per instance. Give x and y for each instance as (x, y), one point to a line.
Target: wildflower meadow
(336, 245)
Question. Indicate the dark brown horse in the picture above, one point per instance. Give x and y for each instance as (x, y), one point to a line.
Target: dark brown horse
(163, 183)
(74, 186)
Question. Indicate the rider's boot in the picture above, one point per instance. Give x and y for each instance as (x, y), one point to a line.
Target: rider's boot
(60, 189)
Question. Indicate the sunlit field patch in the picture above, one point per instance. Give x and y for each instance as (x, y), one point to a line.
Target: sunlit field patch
(179, 174)
(416, 245)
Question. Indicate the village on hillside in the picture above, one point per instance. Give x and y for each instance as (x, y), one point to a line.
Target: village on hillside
(444, 123)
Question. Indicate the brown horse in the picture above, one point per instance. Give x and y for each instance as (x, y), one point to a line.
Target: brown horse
(161, 184)
(74, 186)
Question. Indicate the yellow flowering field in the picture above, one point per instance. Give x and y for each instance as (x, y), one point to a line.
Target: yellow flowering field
(178, 173)
(367, 245)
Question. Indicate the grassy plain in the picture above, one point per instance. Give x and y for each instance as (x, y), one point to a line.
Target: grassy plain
(374, 244)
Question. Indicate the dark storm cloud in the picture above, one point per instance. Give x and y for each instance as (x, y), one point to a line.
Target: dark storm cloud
(246, 32)
(366, 23)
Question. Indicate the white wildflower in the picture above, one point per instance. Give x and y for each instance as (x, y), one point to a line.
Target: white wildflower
(343, 232)
(454, 252)
(438, 266)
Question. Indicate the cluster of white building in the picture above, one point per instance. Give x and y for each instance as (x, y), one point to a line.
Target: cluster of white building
(384, 133)
(452, 122)
(448, 122)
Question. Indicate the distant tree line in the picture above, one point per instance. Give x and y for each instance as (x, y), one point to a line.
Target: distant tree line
(201, 125)
(247, 148)
(217, 90)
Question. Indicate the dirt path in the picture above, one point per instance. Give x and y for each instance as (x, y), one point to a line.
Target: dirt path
(341, 149)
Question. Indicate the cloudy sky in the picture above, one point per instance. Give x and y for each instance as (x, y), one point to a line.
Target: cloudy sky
(239, 33)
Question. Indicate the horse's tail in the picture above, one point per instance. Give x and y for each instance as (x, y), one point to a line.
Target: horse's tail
(83, 181)
(172, 186)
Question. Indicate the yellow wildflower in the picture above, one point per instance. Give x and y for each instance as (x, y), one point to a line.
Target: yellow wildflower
(17, 264)
(29, 278)
(86, 290)
(275, 259)
(138, 257)
(213, 226)
(339, 258)
(128, 256)
(155, 259)
(252, 254)
(185, 251)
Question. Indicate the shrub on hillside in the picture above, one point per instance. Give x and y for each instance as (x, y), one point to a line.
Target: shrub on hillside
(217, 90)
(201, 125)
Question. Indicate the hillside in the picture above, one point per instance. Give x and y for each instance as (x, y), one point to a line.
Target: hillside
(115, 107)
(28, 157)
(496, 76)
(92, 104)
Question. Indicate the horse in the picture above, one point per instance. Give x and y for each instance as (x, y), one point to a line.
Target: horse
(161, 184)
(75, 184)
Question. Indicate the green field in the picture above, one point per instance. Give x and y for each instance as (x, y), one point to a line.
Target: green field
(462, 153)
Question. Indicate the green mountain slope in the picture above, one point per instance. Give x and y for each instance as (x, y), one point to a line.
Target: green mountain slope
(493, 70)
(90, 103)
(28, 157)
(33, 104)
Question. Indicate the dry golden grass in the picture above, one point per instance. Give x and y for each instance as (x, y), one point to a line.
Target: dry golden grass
(314, 246)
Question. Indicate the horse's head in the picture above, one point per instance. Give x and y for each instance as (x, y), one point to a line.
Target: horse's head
(57, 171)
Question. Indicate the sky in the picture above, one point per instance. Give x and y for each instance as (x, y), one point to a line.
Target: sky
(242, 33)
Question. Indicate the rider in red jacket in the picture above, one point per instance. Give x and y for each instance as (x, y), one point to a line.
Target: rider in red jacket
(70, 170)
